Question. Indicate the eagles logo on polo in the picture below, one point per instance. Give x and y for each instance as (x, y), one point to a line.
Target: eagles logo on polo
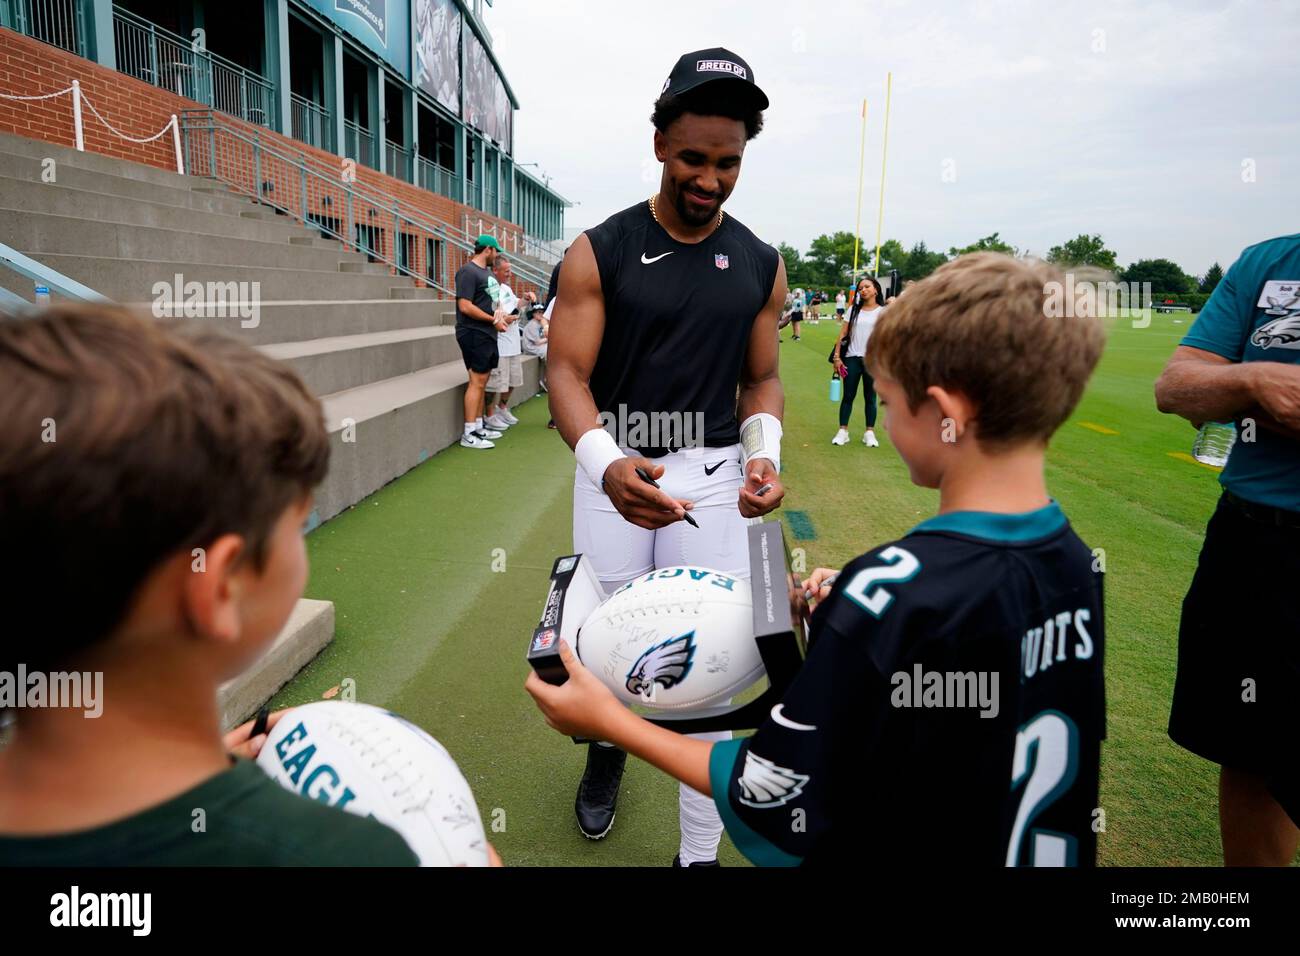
(665, 664)
(1283, 301)
(763, 784)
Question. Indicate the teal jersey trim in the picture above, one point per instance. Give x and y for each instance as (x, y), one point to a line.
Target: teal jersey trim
(756, 848)
(1025, 526)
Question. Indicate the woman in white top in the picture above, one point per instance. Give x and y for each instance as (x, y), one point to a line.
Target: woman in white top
(853, 337)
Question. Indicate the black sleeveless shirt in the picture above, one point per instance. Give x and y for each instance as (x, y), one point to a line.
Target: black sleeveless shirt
(677, 322)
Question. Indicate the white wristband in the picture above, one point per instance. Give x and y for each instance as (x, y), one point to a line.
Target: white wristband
(760, 437)
(596, 450)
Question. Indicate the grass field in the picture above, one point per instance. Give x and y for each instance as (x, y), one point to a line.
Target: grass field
(427, 627)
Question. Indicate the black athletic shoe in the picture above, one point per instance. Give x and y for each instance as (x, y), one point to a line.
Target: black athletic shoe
(598, 791)
(677, 862)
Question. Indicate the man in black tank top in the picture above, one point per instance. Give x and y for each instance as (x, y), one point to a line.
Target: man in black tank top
(663, 357)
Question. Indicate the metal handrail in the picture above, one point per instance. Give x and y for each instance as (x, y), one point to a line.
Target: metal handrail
(163, 59)
(12, 304)
(325, 200)
(334, 174)
(311, 122)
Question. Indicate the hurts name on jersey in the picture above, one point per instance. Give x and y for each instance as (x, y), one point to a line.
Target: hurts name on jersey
(1061, 637)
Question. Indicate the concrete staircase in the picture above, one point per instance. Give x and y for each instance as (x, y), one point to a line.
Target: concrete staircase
(378, 350)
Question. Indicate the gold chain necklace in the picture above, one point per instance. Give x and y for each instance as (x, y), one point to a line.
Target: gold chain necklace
(654, 214)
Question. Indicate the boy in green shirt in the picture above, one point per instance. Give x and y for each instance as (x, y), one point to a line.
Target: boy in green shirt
(154, 483)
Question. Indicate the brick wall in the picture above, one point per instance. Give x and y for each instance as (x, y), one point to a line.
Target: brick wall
(29, 67)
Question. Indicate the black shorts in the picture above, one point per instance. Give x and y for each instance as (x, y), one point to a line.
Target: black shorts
(796, 316)
(1237, 692)
(479, 350)
(840, 313)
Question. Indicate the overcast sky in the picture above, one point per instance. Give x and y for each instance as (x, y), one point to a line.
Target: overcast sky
(1137, 120)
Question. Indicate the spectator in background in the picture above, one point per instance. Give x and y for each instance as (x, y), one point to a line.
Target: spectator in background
(850, 355)
(509, 373)
(536, 333)
(1235, 698)
(840, 300)
(477, 325)
(796, 316)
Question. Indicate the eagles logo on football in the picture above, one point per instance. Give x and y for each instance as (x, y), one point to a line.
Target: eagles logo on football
(665, 664)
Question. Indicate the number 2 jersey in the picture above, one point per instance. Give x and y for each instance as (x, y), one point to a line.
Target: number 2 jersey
(950, 709)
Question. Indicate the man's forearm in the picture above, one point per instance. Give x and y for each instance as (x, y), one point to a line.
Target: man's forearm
(1206, 392)
(765, 395)
(572, 405)
(474, 312)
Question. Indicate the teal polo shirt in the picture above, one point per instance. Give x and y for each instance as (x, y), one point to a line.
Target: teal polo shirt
(1254, 316)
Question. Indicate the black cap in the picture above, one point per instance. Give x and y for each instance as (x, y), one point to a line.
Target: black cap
(717, 65)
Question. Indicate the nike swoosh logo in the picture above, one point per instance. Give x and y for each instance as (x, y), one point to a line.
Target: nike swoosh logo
(646, 262)
(709, 471)
(787, 722)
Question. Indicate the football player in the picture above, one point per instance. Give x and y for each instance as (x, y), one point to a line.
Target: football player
(951, 705)
(665, 326)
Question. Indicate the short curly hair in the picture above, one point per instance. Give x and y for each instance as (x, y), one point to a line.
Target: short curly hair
(712, 99)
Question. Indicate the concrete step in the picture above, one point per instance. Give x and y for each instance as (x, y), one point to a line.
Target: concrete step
(76, 177)
(414, 292)
(19, 197)
(363, 266)
(342, 362)
(303, 320)
(67, 156)
(131, 281)
(398, 424)
(308, 631)
(71, 235)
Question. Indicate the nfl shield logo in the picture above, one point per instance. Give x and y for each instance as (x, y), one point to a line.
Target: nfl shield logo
(721, 261)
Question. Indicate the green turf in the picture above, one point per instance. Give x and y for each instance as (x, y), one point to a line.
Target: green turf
(426, 626)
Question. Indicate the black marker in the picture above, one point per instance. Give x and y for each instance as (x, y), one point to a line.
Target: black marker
(259, 725)
(645, 476)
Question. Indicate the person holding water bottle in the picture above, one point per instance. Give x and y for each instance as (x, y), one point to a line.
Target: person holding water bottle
(849, 360)
(1235, 696)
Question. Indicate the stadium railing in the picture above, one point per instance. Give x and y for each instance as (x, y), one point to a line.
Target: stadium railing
(13, 304)
(322, 195)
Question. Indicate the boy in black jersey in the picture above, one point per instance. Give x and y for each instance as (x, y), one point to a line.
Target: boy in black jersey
(951, 707)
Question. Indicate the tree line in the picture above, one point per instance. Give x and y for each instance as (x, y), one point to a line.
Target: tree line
(828, 263)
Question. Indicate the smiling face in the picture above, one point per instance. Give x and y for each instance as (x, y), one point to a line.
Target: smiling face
(701, 157)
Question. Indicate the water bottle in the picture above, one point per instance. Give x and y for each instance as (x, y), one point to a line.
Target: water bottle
(42, 296)
(837, 388)
(1214, 443)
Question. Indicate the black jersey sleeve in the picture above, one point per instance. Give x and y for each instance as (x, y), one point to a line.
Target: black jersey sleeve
(777, 791)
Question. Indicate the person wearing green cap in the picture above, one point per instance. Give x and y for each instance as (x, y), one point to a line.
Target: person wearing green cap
(478, 321)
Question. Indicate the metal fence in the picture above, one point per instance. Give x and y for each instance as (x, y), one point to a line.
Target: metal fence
(438, 179)
(358, 144)
(161, 58)
(311, 189)
(60, 23)
(397, 162)
(311, 123)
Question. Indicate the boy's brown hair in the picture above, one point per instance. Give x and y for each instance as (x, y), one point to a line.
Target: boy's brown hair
(978, 325)
(126, 440)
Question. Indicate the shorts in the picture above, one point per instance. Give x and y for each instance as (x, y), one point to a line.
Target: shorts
(839, 312)
(509, 373)
(620, 551)
(796, 316)
(1235, 695)
(479, 350)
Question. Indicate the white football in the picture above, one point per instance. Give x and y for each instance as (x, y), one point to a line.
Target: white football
(371, 762)
(676, 639)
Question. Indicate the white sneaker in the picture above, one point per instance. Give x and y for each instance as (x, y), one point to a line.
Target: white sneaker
(473, 441)
(497, 422)
(487, 433)
(506, 416)
(869, 439)
(841, 438)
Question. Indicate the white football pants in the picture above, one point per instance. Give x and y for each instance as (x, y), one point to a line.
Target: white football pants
(620, 551)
